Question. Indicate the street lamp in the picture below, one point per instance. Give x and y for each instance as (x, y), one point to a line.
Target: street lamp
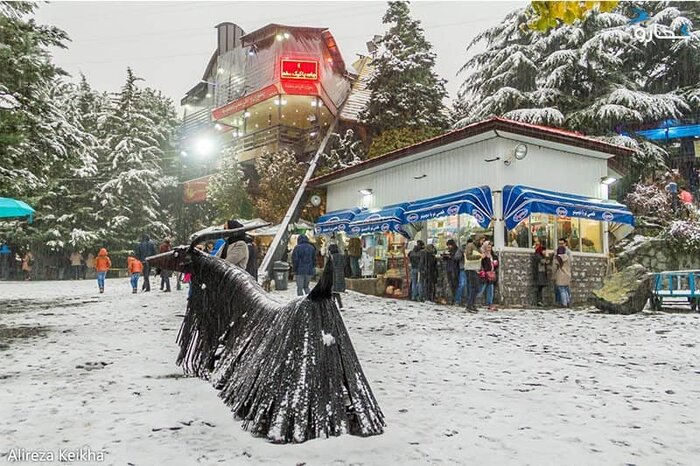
(608, 180)
(204, 147)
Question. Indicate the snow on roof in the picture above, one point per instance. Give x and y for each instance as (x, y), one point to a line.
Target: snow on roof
(359, 94)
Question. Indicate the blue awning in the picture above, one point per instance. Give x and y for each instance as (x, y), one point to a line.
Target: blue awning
(520, 201)
(378, 221)
(335, 221)
(12, 208)
(476, 202)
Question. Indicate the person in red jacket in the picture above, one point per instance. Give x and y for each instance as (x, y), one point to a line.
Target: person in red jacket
(102, 265)
(135, 269)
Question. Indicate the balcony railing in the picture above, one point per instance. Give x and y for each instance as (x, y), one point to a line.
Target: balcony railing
(301, 140)
(195, 122)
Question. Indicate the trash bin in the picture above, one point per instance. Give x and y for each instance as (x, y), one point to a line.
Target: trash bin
(280, 271)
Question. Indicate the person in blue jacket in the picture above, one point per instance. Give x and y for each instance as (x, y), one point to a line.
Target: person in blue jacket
(303, 261)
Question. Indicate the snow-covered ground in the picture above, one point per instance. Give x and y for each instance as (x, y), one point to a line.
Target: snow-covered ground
(507, 387)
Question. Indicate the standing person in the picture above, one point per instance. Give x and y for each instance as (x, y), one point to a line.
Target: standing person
(539, 272)
(135, 269)
(76, 260)
(685, 196)
(562, 276)
(27, 265)
(165, 274)
(252, 265)
(5, 261)
(354, 254)
(452, 267)
(472, 265)
(235, 250)
(102, 265)
(672, 190)
(488, 274)
(303, 264)
(145, 249)
(414, 258)
(428, 272)
(90, 264)
(339, 261)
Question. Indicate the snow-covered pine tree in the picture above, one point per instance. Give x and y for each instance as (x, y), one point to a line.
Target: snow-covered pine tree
(227, 190)
(592, 76)
(27, 146)
(138, 131)
(345, 150)
(405, 90)
(280, 174)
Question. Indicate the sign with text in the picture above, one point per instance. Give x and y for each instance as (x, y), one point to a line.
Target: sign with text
(245, 102)
(195, 191)
(305, 70)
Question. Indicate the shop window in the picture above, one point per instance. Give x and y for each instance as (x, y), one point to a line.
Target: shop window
(519, 237)
(456, 227)
(542, 230)
(591, 236)
(568, 229)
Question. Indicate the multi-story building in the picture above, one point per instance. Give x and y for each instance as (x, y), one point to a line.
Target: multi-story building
(274, 88)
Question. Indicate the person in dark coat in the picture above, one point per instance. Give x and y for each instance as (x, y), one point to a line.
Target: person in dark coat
(145, 249)
(429, 272)
(539, 272)
(455, 264)
(165, 274)
(5, 261)
(414, 258)
(252, 266)
(303, 262)
(339, 263)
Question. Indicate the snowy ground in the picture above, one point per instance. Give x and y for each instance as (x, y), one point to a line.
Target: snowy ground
(510, 387)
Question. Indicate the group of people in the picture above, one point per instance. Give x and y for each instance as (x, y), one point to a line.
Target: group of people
(555, 267)
(471, 272)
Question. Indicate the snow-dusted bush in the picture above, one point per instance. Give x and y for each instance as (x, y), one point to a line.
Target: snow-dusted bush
(649, 201)
(683, 235)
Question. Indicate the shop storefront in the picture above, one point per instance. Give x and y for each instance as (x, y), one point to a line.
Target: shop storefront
(502, 207)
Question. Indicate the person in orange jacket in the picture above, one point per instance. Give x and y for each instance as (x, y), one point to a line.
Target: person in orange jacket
(135, 269)
(102, 265)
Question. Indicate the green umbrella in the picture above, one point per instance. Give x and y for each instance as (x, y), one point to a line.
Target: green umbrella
(14, 208)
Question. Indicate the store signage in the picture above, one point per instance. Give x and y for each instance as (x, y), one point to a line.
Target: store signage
(607, 216)
(245, 102)
(477, 215)
(521, 215)
(583, 213)
(696, 144)
(412, 218)
(453, 210)
(304, 70)
(195, 191)
(562, 212)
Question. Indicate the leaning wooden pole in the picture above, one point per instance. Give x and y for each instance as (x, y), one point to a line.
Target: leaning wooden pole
(279, 243)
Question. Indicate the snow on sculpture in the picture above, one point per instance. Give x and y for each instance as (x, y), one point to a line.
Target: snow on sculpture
(288, 371)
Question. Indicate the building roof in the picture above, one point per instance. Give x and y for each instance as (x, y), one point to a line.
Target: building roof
(272, 29)
(546, 133)
(359, 93)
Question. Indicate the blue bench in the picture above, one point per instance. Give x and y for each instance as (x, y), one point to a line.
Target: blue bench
(676, 284)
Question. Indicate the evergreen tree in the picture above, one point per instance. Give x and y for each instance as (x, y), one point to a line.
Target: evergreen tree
(345, 150)
(138, 130)
(227, 190)
(592, 76)
(28, 144)
(280, 175)
(405, 91)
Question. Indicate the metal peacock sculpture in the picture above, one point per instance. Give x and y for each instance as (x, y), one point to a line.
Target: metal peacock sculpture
(287, 370)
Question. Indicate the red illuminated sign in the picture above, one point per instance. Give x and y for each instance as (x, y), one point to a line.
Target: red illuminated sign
(195, 191)
(306, 70)
(245, 102)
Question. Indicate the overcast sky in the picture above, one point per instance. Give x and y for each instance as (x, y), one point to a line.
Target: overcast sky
(169, 43)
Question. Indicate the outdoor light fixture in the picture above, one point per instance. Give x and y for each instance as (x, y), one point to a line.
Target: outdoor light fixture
(218, 127)
(220, 70)
(253, 50)
(183, 153)
(204, 147)
(246, 115)
(279, 37)
(208, 95)
(286, 35)
(520, 151)
(366, 192)
(608, 180)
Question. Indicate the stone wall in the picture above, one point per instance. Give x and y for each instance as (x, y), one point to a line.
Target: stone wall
(655, 255)
(516, 282)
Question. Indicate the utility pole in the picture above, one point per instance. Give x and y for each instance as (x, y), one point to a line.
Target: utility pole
(279, 243)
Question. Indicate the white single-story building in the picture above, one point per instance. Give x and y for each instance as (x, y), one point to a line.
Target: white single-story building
(513, 182)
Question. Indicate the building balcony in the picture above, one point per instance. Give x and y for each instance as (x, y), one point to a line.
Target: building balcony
(274, 138)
